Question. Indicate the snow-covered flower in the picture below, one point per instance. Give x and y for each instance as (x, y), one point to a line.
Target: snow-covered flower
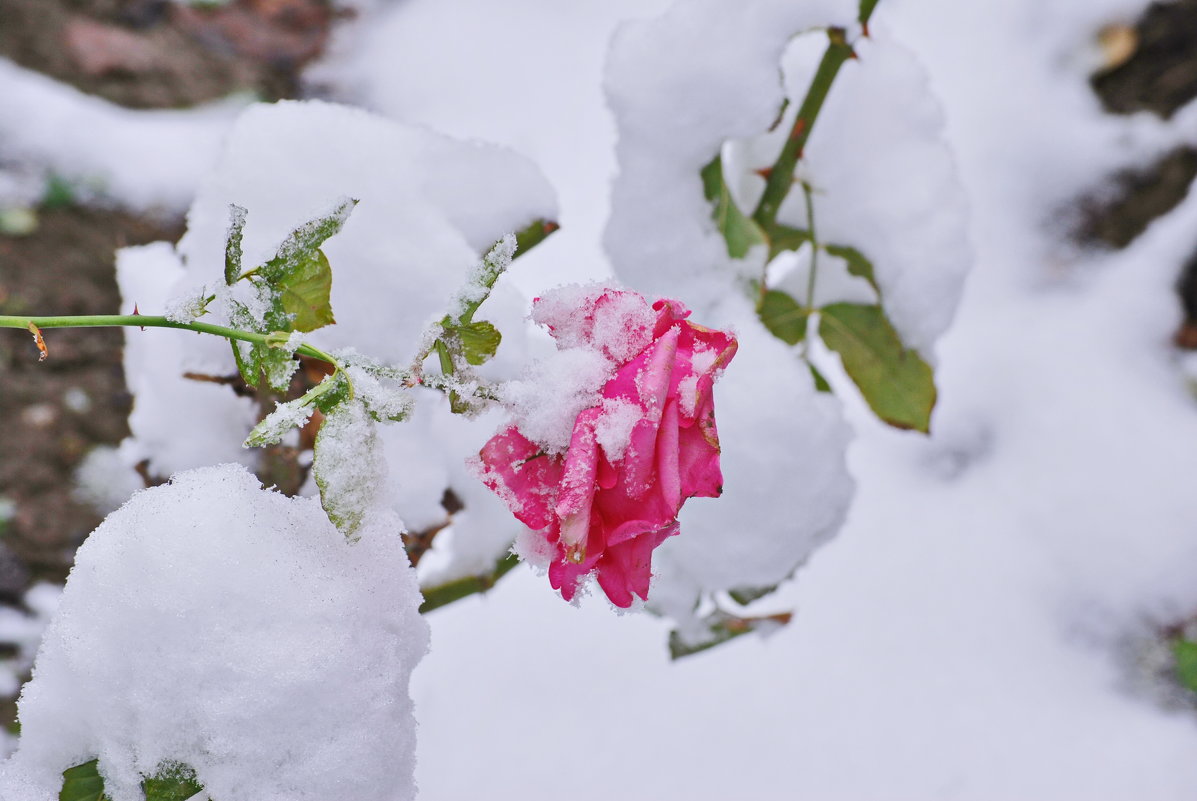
(634, 457)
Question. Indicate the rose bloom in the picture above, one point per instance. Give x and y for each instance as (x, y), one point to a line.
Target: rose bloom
(634, 457)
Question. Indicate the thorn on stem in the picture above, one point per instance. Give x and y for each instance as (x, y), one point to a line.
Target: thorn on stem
(798, 129)
(136, 313)
(41, 343)
(764, 172)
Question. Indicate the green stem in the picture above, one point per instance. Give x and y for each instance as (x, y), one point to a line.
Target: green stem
(781, 175)
(814, 246)
(150, 321)
(445, 594)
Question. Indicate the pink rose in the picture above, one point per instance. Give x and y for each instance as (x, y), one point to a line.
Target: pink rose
(634, 458)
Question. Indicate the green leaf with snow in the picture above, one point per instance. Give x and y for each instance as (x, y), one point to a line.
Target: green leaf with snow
(173, 782)
(784, 318)
(274, 426)
(306, 291)
(479, 341)
(858, 263)
(348, 466)
(740, 232)
(300, 275)
(83, 783)
(232, 245)
(894, 380)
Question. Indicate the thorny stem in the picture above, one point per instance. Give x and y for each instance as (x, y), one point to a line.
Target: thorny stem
(35, 324)
(150, 321)
(781, 175)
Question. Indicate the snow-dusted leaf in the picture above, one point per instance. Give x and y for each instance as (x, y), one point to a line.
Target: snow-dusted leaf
(274, 426)
(348, 466)
(82, 783)
(305, 291)
(895, 381)
(739, 231)
(784, 318)
(172, 782)
(232, 247)
(479, 341)
(305, 240)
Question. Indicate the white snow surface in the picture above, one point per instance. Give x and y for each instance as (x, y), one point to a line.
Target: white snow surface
(233, 629)
(143, 159)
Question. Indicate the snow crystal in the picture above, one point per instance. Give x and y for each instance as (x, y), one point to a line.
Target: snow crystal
(232, 629)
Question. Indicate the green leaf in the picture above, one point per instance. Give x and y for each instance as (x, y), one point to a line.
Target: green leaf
(305, 291)
(1185, 654)
(784, 318)
(740, 232)
(479, 341)
(783, 238)
(232, 244)
(720, 628)
(82, 783)
(895, 381)
(302, 243)
(347, 466)
(174, 781)
(821, 384)
(858, 265)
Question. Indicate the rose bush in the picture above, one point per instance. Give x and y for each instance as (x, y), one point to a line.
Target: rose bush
(647, 444)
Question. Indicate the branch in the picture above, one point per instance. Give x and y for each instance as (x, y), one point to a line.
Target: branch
(781, 175)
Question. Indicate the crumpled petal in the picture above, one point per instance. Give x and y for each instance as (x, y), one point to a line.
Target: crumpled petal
(605, 513)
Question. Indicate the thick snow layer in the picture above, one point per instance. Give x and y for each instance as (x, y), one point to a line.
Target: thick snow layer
(144, 159)
(429, 207)
(217, 624)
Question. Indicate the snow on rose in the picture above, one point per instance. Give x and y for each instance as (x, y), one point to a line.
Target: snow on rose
(611, 436)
